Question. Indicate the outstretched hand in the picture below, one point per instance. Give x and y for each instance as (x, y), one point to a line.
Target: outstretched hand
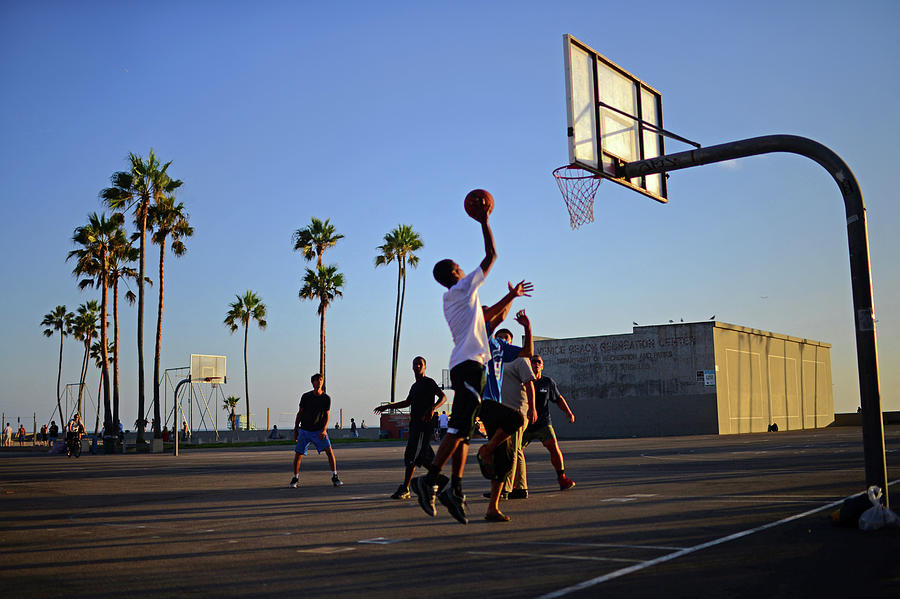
(522, 319)
(521, 288)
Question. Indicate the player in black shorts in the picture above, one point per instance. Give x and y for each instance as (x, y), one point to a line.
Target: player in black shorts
(422, 406)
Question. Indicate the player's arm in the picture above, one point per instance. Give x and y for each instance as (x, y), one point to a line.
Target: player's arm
(297, 423)
(324, 432)
(393, 406)
(441, 399)
(528, 349)
(497, 313)
(565, 408)
(490, 249)
(532, 409)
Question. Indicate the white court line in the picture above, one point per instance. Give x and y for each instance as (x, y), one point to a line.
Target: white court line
(554, 555)
(609, 545)
(665, 558)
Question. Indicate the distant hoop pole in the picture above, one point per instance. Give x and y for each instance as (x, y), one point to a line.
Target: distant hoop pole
(177, 406)
(860, 272)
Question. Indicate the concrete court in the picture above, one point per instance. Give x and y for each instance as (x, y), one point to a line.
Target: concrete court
(222, 523)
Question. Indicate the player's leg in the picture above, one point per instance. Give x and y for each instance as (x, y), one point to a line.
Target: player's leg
(556, 458)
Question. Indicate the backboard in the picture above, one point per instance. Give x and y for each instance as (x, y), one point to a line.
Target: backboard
(207, 369)
(613, 117)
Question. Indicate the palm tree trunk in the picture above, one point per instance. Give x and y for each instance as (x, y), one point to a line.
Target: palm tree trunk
(116, 418)
(395, 352)
(84, 367)
(59, 376)
(140, 324)
(162, 290)
(97, 421)
(104, 351)
(246, 383)
(402, 300)
(322, 344)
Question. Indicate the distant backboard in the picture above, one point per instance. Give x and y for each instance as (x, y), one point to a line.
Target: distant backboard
(207, 369)
(612, 116)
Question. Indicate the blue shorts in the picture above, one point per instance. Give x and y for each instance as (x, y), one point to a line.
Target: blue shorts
(304, 438)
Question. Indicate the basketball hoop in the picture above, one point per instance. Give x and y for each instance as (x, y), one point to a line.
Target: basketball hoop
(578, 188)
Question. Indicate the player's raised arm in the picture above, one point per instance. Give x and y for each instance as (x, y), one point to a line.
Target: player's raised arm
(479, 204)
(528, 349)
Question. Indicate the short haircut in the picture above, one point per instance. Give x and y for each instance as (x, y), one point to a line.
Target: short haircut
(504, 333)
(313, 378)
(420, 358)
(441, 272)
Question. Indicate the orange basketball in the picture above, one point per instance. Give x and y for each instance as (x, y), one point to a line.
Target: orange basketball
(479, 203)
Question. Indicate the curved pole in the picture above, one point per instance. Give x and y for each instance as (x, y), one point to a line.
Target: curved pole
(175, 426)
(860, 275)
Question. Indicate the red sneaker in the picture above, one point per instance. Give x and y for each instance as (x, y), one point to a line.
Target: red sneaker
(565, 483)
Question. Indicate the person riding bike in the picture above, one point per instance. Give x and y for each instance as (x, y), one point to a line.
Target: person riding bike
(74, 432)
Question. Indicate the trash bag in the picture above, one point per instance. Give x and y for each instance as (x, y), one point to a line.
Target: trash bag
(877, 516)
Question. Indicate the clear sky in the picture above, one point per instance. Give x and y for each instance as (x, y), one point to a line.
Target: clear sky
(375, 114)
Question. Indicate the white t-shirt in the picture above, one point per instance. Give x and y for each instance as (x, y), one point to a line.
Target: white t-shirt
(462, 309)
(516, 375)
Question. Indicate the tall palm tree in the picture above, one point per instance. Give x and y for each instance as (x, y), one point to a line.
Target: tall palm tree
(60, 321)
(167, 220)
(120, 269)
(399, 245)
(146, 181)
(84, 327)
(228, 404)
(323, 284)
(97, 357)
(241, 312)
(97, 239)
(314, 239)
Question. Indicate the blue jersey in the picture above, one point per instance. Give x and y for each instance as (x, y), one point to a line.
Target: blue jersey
(501, 352)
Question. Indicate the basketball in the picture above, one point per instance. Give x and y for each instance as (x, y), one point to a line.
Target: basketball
(479, 203)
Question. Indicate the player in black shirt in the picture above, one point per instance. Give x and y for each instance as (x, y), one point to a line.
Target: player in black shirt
(545, 393)
(422, 406)
(310, 427)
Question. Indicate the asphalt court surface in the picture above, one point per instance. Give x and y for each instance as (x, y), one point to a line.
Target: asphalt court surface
(700, 516)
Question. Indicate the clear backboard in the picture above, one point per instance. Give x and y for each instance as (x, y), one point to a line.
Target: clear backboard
(207, 369)
(613, 117)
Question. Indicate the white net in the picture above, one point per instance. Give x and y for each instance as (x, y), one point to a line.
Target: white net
(578, 188)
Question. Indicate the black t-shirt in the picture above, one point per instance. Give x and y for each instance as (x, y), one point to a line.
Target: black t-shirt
(314, 411)
(545, 391)
(422, 397)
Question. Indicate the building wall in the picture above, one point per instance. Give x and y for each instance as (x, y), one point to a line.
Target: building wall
(647, 383)
(766, 378)
(689, 378)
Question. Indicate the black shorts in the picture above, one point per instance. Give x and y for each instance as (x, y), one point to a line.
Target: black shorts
(496, 416)
(418, 447)
(467, 382)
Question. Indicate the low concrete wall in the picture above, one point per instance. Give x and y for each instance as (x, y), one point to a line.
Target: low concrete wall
(855, 419)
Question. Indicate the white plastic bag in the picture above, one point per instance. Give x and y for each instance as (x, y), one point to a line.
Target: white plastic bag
(877, 516)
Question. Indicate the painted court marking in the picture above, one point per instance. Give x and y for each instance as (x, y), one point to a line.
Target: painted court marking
(665, 558)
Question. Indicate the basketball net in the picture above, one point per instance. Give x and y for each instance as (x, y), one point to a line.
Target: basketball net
(578, 188)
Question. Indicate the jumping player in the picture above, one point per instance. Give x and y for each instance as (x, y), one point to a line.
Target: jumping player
(462, 310)
(422, 407)
(311, 426)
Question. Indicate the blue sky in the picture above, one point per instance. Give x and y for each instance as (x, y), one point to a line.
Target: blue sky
(382, 114)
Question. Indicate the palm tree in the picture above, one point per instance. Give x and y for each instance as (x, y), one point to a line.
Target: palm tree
(97, 239)
(314, 239)
(97, 357)
(399, 245)
(58, 321)
(120, 269)
(241, 312)
(146, 181)
(323, 284)
(84, 327)
(167, 220)
(228, 404)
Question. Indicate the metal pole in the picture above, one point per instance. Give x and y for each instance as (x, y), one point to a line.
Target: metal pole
(860, 274)
(175, 408)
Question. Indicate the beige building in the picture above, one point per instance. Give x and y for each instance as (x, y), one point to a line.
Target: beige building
(689, 378)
